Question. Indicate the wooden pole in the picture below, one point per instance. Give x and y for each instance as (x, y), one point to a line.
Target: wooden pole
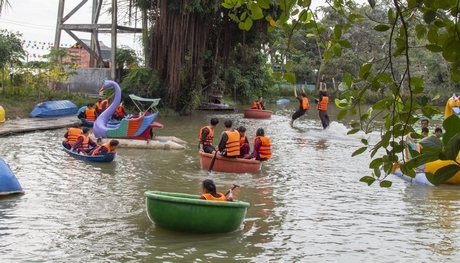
(57, 37)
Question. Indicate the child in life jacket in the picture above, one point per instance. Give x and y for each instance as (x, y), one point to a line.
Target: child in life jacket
(210, 192)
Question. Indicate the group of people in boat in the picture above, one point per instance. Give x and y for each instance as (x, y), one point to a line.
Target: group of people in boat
(424, 132)
(78, 140)
(93, 110)
(233, 142)
(322, 103)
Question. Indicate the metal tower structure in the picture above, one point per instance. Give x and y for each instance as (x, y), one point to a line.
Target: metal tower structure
(94, 28)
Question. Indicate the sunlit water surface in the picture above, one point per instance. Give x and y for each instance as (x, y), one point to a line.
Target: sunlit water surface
(307, 204)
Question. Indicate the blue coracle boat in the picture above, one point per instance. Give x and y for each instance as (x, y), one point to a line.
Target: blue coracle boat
(282, 101)
(54, 108)
(9, 184)
(107, 158)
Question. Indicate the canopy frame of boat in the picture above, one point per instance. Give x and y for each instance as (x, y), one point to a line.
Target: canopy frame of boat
(138, 102)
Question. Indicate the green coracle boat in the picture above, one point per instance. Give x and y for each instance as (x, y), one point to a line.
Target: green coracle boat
(187, 213)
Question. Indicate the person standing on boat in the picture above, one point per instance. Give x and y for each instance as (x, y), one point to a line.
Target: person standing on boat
(210, 192)
(71, 136)
(205, 137)
(229, 145)
(323, 101)
(108, 147)
(83, 143)
(262, 147)
(258, 104)
(244, 142)
(303, 107)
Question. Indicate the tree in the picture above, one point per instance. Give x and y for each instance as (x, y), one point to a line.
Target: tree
(407, 28)
(11, 51)
(4, 4)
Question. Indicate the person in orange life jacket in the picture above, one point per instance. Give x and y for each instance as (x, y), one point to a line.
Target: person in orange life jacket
(322, 103)
(90, 114)
(106, 148)
(244, 143)
(259, 104)
(83, 143)
(229, 145)
(71, 136)
(210, 192)
(206, 135)
(105, 104)
(119, 113)
(262, 147)
(303, 107)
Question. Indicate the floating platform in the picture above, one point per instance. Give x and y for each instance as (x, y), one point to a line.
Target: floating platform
(24, 125)
(159, 143)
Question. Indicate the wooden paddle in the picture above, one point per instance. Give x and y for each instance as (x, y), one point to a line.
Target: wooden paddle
(212, 162)
(233, 188)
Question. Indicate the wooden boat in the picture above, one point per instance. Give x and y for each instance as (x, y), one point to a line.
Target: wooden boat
(257, 114)
(187, 213)
(55, 108)
(9, 184)
(230, 165)
(107, 158)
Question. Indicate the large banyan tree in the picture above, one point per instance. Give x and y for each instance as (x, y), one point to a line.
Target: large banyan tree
(191, 43)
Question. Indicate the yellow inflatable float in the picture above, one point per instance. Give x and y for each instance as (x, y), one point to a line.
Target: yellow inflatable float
(2, 114)
(452, 107)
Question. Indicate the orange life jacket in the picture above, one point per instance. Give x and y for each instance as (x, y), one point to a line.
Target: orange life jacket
(207, 140)
(242, 140)
(99, 148)
(85, 143)
(322, 105)
(72, 135)
(265, 150)
(255, 105)
(305, 104)
(90, 114)
(120, 110)
(210, 197)
(233, 143)
(98, 106)
(104, 104)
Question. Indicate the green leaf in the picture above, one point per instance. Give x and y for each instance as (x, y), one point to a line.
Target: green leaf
(434, 48)
(453, 147)
(248, 24)
(367, 179)
(344, 43)
(288, 66)
(364, 69)
(424, 158)
(289, 77)
(341, 114)
(352, 131)
(337, 32)
(433, 35)
(347, 79)
(384, 77)
(416, 82)
(233, 17)
(327, 55)
(452, 127)
(431, 142)
(381, 28)
(443, 174)
(359, 151)
(372, 3)
(265, 4)
(429, 16)
(376, 163)
(337, 51)
(227, 5)
(385, 183)
(242, 27)
(243, 16)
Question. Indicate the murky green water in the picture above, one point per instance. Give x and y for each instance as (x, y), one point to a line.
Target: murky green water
(307, 204)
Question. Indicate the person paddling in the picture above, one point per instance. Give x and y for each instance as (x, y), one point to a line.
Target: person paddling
(83, 143)
(262, 147)
(303, 107)
(210, 192)
(108, 147)
(259, 104)
(206, 135)
(244, 143)
(229, 145)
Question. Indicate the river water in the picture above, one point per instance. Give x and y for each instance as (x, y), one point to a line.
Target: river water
(307, 204)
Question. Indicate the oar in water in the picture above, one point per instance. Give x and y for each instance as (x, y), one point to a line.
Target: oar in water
(212, 162)
(233, 188)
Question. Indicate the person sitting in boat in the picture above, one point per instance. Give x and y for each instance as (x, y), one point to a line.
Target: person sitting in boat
(303, 107)
(90, 112)
(108, 147)
(105, 104)
(424, 133)
(205, 137)
(438, 133)
(229, 145)
(423, 124)
(259, 104)
(210, 192)
(82, 145)
(262, 147)
(98, 105)
(71, 136)
(244, 142)
(120, 113)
